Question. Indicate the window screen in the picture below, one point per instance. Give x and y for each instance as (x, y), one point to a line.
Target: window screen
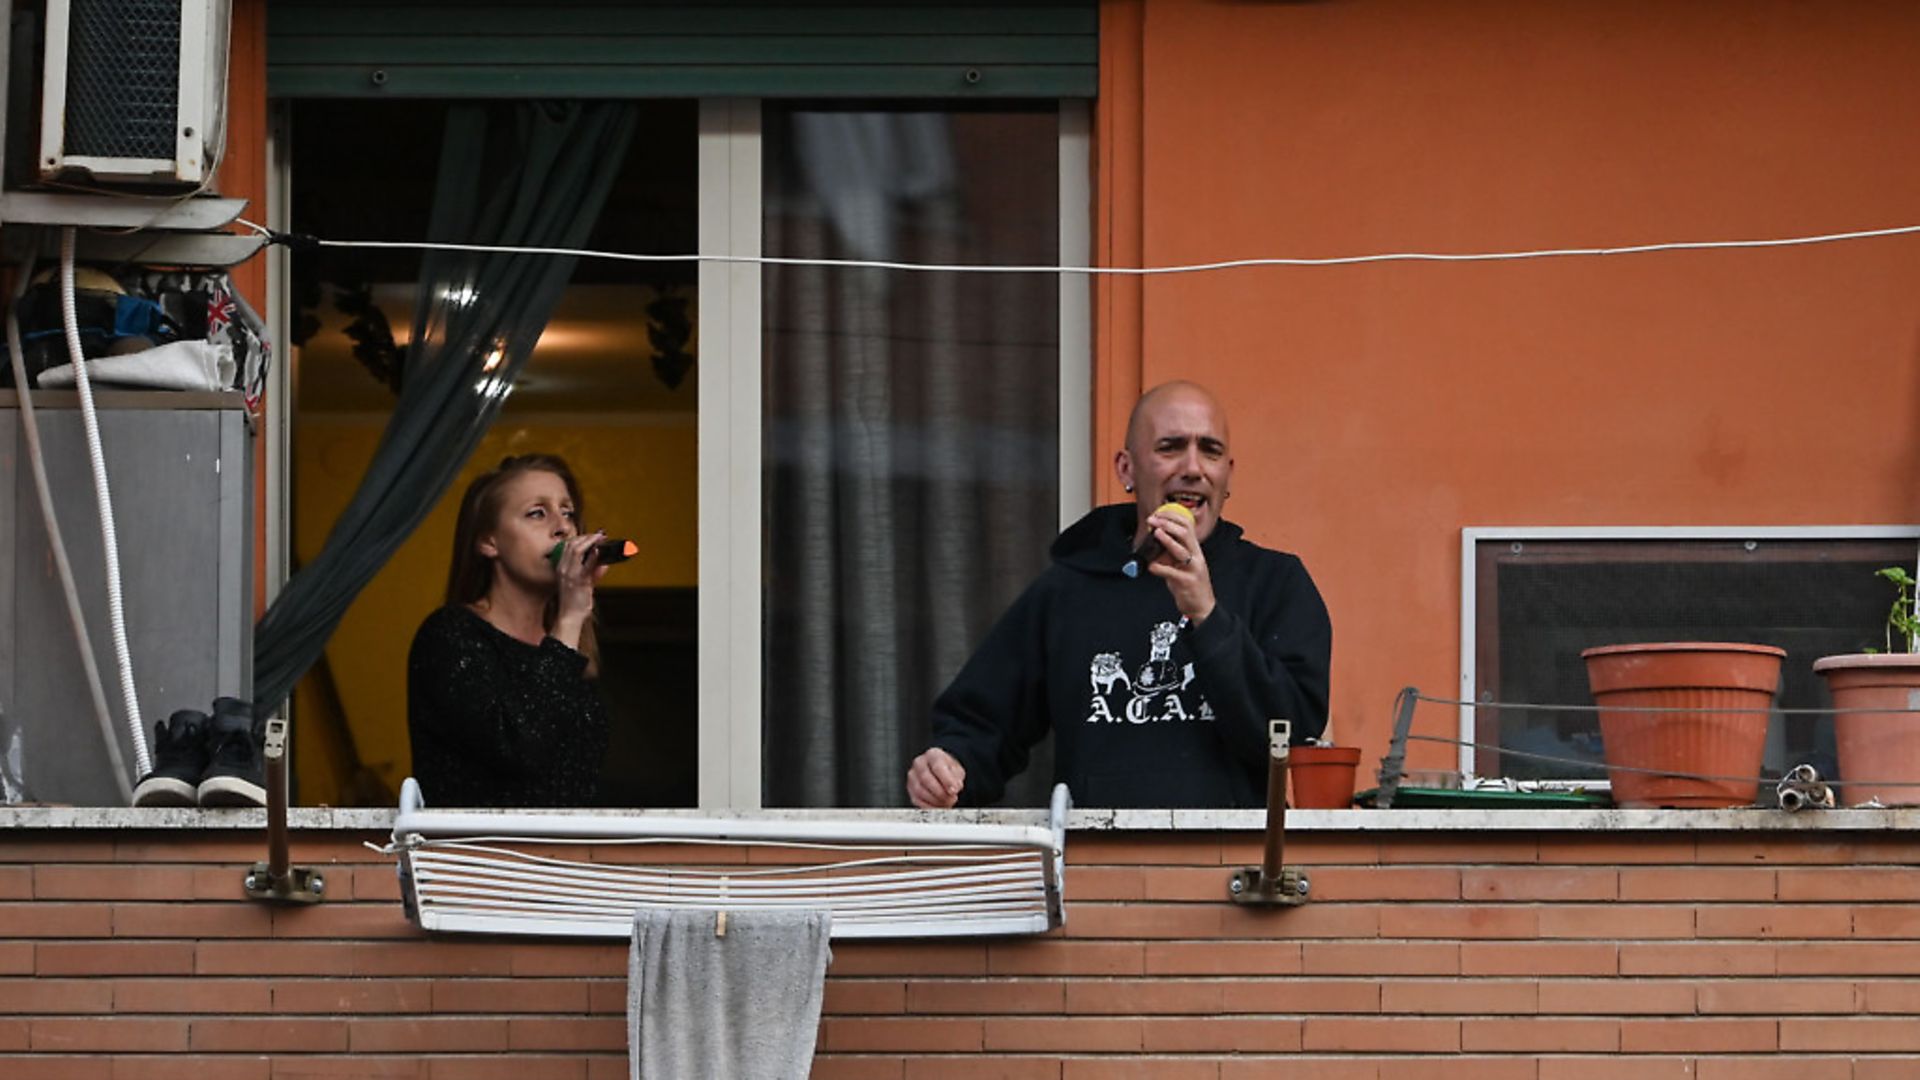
(1538, 603)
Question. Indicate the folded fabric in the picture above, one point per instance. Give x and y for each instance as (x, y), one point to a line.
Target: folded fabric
(741, 1004)
(178, 365)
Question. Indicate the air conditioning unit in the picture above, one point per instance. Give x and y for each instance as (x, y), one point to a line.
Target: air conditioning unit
(134, 91)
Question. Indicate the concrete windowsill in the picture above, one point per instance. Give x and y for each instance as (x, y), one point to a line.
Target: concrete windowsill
(1385, 821)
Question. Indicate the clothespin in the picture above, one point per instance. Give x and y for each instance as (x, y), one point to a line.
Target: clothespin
(720, 923)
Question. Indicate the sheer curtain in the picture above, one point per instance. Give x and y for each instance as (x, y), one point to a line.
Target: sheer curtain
(911, 471)
(532, 174)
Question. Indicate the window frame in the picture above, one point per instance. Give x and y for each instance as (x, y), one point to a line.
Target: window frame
(1472, 536)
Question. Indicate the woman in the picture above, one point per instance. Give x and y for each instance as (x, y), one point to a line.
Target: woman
(502, 708)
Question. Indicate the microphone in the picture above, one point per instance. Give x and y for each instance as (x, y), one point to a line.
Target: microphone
(1151, 548)
(611, 551)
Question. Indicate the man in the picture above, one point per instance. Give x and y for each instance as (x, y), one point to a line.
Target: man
(1157, 688)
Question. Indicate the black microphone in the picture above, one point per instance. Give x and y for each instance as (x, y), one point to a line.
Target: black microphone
(1151, 548)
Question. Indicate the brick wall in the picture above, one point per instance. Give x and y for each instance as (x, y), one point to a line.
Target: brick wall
(1485, 956)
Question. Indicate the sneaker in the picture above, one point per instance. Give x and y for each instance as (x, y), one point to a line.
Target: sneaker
(179, 759)
(237, 774)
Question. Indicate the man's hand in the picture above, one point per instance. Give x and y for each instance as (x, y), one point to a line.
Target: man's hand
(1182, 565)
(935, 779)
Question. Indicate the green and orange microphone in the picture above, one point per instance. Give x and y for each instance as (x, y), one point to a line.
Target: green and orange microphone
(611, 551)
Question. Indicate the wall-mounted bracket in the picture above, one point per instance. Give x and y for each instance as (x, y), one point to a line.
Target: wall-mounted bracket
(1270, 884)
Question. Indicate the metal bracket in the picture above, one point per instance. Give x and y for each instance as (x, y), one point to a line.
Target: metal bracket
(274, 880)
(1271, 884)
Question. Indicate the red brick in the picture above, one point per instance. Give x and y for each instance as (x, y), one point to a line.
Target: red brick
(16, 882)
(1456, 1068)
(934, 997)
(972, 1067)
(1478, 921)
(1306, 1068)
(1111, 1068)
(1223, 958)
(358, 1065)
(1201, 883)
(882, 958)
(1799, 849)
(1336, 883)
(1904, 1068)
(113, 958)
(607, 1033)
(1309, 849)
(115, 882)
(864, 996)
(1060, 1034)
(191, 1068)
(1542, 958)
(29, 919)
(1700, 958)
(107, 1034)
(1616, 997)
(517, 1067)
(1616, 1068)
(291, 958)
(404, 958)
(1145, 921)
(1221, 1035)
(1698, 1036)
(588, 959)
(163, 847)
(1086, 883)
(1893, 922)
(1695, 883)
(333, 997)
(607, 996)
(14, 1035)
(371, 883)
(1774, 1068)
(1539, 1035)
(1774, 921)
(898, 1034)
(1851, 884)
(411, 1035)
(1145, 849)
(1136, 997)
(1347, 921)
(192, 920)
(1388, 1035)
(66, 849)
(1644, 849)
(1890, 997)
(509, 996)
(1300, 996)
(1447, 850)
(20, 997)
(1458, 998)
(1380, 958)
(344, 921)
(1055, 956)
(1851, 958)
(1615, 921)
(267, 1034)
(1776, 997)
(55, 1068)
(16, 958)
(1850, 1035)
(229, 883)
(212, 996)
(1523, 883)
(834, 1067)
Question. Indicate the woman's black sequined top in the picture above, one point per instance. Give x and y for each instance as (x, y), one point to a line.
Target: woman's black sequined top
(495, 721)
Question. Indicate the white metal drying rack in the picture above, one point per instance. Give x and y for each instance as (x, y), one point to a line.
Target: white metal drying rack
(461, 871)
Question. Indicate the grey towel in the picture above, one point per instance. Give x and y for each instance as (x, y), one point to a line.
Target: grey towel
(745, 1006)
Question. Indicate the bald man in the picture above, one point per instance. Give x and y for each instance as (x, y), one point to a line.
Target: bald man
(1157, 687)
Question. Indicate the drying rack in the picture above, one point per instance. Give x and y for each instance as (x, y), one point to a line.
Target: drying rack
(553, 874)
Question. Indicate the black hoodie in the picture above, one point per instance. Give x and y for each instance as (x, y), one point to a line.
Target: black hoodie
(1146, 710)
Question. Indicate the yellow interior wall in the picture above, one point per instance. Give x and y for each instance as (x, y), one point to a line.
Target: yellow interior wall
(636, 479)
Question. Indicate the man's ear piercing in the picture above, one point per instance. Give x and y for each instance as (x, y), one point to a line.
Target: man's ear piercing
(1129, 487)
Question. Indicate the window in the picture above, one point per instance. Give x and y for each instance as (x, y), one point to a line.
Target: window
(1534, 598)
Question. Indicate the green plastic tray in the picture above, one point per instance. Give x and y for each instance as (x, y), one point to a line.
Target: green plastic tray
(1415, 798)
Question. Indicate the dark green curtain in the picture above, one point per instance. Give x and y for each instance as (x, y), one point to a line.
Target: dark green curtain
(526, 174)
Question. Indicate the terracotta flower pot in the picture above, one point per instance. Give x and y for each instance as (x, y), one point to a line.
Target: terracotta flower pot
(1684, 675)
(1877, 749)
(1322, 776)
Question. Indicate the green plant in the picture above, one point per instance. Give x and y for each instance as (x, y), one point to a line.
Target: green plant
(1901, 618)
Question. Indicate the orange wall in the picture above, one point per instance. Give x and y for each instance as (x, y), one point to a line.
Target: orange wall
(1378, 409)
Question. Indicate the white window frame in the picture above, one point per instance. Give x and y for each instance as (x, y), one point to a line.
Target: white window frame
(1472, 537)
(731, 517)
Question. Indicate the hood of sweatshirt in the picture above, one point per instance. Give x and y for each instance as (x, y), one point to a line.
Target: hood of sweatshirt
(1102, 541)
